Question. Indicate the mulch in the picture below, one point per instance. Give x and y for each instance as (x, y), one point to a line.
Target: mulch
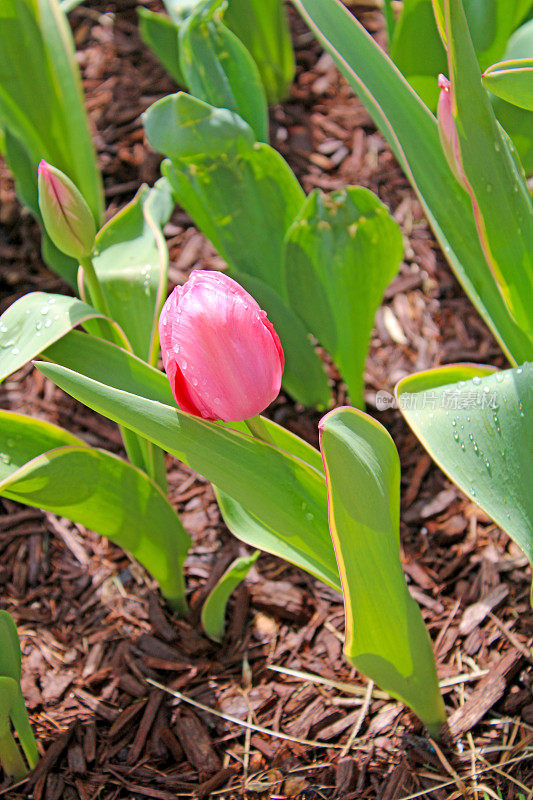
(98, 643)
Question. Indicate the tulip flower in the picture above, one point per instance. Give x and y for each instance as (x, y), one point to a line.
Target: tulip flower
(447, 130)
(66, 215)
(221, 354)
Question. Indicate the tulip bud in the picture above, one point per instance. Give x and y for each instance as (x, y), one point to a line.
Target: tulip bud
(66, 215)
(221, 354)
(447, 130)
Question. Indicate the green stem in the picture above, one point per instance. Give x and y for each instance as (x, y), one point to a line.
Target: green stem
(95, 288)
(10, 755)
(258, 429)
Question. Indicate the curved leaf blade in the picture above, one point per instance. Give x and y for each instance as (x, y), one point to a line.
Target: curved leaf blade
(35, 321)
(214, 608)
(98, 490)
(340, 254)
(386, 638)
(477, 427)
(283, 492)
(512, 81)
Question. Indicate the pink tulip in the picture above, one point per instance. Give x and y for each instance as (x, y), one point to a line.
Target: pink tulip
(221, 354)
(448, 131)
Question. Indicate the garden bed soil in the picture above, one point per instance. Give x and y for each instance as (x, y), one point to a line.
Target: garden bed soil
(93, 627)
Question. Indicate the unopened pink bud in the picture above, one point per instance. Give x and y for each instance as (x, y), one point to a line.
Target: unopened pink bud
(448, 131)
(66, 216)
(221, 354)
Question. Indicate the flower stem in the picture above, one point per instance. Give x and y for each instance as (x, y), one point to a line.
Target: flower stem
(95, 288)
(258, 429)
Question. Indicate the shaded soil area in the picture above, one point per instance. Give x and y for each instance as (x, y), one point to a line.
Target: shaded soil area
(95, 635)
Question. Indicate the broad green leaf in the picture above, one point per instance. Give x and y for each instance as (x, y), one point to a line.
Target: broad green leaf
(178, 10)
(243, 196)
(37, 61)
(37, 320)
(161, 35)
(386, 638)
(476, 424)
(10, 660)
(109, 364)
(131, 262)
(512, 81)
(214, 608)
(411, 130)
(262, 27)
(286, 494)
(218, 68)
(502, 204)
(98, 490)
(341, 253)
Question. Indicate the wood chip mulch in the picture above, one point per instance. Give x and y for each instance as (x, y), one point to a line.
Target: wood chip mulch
(98, 644)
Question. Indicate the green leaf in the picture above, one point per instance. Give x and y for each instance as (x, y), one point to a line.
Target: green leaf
(11, 760)
(243, 196)
(131, 264)
(37, 61)
(98, 490)
(37, 320)
(108, 364)
(10, 659)
(386, 638)
(502, 204)
(283, 492)
(178, 10)
(214, 608)
(218, 68)
(262, 26)
(476, 424)
(161, 35)
(512, 81)
(341, 253)
(411, 130)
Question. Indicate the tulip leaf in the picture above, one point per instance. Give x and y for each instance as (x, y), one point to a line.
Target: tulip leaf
(98, 490)
(283, 492)
(500, 196)
(161, 35)
(109, 364)
(10, 659)
(341, 253)
(131, 264)
(243, 196)
(218, 68)
(262, 26)
(476, 424)
(512, 81)
(411, 131)
(214, 608)
(35, 321)
(386, 638)
(37, 61)
(11, 759)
